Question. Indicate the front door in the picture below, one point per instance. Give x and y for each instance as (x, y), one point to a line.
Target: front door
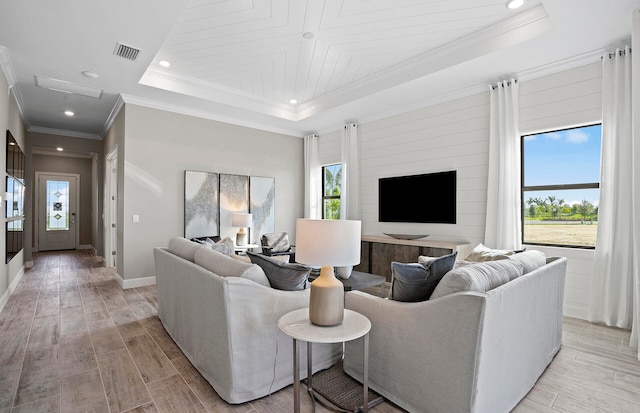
(57, 211)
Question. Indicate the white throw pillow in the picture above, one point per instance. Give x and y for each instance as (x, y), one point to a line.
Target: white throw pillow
(225, 266)
(482, 276)
(483, 253)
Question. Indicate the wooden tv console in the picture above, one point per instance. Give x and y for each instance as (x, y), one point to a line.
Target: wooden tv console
(378, 251)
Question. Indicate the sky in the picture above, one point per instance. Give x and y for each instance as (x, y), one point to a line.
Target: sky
(567, 156)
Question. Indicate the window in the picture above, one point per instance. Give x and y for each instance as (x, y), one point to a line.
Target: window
(331, 190)
(560, 187)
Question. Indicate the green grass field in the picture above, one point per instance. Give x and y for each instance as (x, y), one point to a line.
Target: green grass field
(561, 233)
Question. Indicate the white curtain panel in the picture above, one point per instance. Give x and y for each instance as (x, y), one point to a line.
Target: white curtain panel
(312, 178)
(503, 226)
(350, 205)
(616, 268)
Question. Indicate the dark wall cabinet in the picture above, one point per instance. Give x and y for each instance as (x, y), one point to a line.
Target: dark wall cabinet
(377, 252)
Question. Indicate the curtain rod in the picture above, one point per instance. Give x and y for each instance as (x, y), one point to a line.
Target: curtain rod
(621, 52)
(493, 87)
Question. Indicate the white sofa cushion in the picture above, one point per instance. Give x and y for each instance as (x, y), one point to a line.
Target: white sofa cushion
(225, 266)
(482, 276)
(531, 260)
(483, 253)
(183, 247)
(224, 246)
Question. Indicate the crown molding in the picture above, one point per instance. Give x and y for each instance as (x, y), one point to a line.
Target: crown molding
(61, 132)
(113, 115)
(204, 114)
(523, 76)
(7, 68)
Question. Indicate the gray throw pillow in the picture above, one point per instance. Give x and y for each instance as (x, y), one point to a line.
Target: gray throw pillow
(282, 275)
(416, 281)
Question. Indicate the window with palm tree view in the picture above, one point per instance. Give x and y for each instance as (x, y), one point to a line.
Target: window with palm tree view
(560, 187)
(331, 189)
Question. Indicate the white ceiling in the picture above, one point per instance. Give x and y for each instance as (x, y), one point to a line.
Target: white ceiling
(241, 61)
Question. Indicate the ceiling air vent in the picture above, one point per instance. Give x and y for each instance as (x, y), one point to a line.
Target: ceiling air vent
(127, 52)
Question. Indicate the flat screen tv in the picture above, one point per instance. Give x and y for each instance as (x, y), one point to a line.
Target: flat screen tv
(426, 198)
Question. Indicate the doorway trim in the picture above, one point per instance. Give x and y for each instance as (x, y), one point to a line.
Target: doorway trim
(36, 214)
(111, 208)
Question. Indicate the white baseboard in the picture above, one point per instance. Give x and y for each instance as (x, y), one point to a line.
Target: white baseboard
(99, 258)
(12, 286)
(85, 247)
(574, 311)
(136, 282)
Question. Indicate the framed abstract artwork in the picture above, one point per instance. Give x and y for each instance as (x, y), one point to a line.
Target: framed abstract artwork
(234, 197)
(210, 198)
(262, 195)
(201, 204)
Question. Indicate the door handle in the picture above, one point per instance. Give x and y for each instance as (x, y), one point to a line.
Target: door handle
(73, 218)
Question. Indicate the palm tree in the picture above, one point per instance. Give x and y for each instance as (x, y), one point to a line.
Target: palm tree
(554, 205)
(585, 208)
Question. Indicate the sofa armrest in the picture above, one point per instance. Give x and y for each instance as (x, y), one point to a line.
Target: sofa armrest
(422, 356)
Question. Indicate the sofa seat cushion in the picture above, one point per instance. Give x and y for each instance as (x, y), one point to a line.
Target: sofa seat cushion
(282, 275)
(225, 266)
(416, 281)
(183, 247)
(482, 276)
(531, 260)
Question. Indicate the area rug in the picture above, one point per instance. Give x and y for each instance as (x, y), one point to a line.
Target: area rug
(334, 385)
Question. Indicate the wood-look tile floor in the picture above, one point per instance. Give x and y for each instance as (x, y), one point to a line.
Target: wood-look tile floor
(71, 340)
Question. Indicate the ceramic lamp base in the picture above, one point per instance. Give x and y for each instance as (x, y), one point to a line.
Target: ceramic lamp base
(344, 272)
(326, 305)
(241, 237)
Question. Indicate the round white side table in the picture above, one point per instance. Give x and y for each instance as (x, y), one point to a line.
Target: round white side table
(297, 325)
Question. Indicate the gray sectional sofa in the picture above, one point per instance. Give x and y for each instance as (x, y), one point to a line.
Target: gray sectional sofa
(478, 350)
(223, 315)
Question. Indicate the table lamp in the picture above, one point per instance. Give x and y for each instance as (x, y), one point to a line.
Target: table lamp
(327, 243)
(242, 220)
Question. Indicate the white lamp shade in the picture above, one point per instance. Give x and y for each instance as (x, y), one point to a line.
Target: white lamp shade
(240, 219)
(323, 242)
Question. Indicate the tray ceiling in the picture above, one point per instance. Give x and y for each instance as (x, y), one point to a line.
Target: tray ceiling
(242, 61)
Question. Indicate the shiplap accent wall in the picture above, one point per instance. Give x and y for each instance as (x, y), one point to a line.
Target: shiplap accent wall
(455, 135)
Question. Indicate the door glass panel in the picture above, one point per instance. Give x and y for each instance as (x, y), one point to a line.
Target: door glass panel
(57, 205)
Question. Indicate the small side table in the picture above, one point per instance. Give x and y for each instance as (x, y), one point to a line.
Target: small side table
(296, 325)
(359, 281)
(244, 248)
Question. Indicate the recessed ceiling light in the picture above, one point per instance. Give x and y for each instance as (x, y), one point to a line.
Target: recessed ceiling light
(92, 75)
(514, 4)
(164, 63)
(308, 35)
(293, 101)
(69, 113)
(59, 149)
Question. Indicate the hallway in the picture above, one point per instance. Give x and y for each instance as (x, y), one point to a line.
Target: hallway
(71, 340)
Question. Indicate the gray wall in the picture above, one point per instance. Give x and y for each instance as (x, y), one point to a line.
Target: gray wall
(159, 146)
